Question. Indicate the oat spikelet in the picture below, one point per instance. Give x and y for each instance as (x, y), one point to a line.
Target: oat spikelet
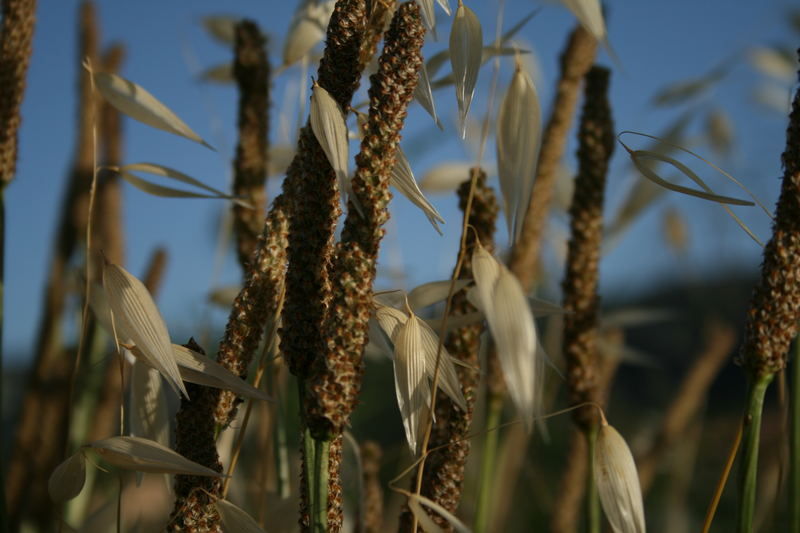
(576, 60)
(16, 36)
(311, 187)
(334, 382)
(775, 304)
(251, 70)
(596, 138)
(443, 476)
(194, 509)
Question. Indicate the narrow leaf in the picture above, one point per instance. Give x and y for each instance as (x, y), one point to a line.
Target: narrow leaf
(235, 519)
(136, 102)
(466, 45)
(618, 482)
(68, 478)
(707, 194)
(433, 292)
(424, 95)
(199, 369)
(519, 127)
(142, 455)
(136, 317)
(167, 172)
(402, 179)
(418, 499)
(425, 521)
(330, 129)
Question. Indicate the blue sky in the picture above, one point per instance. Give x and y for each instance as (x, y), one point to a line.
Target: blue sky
(657, 43)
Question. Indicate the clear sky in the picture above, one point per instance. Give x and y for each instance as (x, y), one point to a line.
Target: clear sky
(657, 43)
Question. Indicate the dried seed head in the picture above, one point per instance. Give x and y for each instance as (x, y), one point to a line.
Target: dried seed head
(775, 305)
(334, 383)
(581, 279)
(251, 70)
(16, 36)
(618, 482)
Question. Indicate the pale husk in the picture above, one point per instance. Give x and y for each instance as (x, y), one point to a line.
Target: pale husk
(466, 54)
(136, 102)
(143, 455)
(411, 385)
(519, 128)
(306, 30)
(199, 369)
(618, 482)
(402, 179)
(136, 317)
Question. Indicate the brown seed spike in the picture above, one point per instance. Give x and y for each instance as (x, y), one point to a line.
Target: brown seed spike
(16, 36)
(775, 305)
(311, 189)
(251, 70)
(334, 383)
(580, 283)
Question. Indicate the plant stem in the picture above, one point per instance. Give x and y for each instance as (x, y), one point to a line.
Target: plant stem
(592, 500)
(752, 428)
(794, 444)
(317, 481)
(488, 460)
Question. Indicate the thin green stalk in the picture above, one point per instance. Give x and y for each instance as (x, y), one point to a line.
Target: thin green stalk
(315, 457)
(592, 499)
(488, 461)
(752, 429)
(794, 444)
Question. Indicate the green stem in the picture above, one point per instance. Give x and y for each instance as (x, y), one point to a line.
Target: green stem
(794, 444)
(592, 499)
(752, 429)
(488, 460)
(315, 457)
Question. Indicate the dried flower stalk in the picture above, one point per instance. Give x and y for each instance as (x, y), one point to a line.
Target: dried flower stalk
(16, 36)
(334, 382)
(251, 70)
(596, 138)
(775, 305)
(312, 190)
